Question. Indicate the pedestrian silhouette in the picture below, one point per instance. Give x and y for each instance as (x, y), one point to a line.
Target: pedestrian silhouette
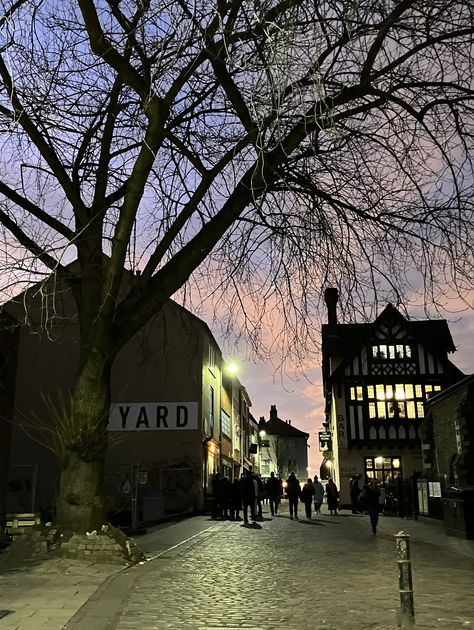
(307, 494)
(293, 491)
(318, 494)
(371, 501)
(249, 495)
(332, 494)
(273, 493)
(235, 501)
(355, 492)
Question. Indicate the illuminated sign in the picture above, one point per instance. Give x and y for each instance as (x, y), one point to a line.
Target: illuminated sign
(153, 416)
(325, 441)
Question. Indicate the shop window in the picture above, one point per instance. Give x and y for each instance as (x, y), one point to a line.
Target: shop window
(383, 469)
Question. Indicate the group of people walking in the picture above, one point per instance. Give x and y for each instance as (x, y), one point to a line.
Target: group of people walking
(247, 494)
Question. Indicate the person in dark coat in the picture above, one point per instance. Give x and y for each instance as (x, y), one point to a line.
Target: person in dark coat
(273, 493)
(307, 494)
(223, 492)
(249, 495)
(216, 507)
(332, 494)
(318, 494)
(293, 491)
(235, 501)
(260, 495)
(355, 492)
(371, 501)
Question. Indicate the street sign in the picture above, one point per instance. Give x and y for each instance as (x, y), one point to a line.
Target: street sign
(325, 441)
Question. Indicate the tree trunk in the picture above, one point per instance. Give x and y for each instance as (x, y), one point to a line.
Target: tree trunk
(79, 506)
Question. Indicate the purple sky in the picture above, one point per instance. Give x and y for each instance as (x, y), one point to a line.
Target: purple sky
(300, 399)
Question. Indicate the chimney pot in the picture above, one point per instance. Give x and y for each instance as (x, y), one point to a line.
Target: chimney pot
(331, 297)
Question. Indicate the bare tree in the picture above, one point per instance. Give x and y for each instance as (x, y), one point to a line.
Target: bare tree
(264, 148)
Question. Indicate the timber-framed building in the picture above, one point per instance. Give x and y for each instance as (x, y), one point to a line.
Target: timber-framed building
(377, 377)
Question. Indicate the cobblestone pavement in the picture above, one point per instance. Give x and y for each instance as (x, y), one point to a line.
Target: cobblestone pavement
(328, 573)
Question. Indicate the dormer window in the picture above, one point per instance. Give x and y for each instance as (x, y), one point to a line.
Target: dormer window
(391, 352)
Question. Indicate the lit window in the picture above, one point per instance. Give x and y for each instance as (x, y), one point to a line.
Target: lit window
(380, 391)
(370, 391)
(399, 391)
(372, 410)
(391, 352)
(437, 388)
(408, 352)
(420, 409)
(411, 413)
(418, 391)
(389, 391)
(409, 391)
(381, 409)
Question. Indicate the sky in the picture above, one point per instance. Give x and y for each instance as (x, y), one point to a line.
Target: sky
(300, 399)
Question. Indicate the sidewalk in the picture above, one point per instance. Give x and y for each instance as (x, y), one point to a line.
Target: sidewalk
(46, 594)
(205, 575)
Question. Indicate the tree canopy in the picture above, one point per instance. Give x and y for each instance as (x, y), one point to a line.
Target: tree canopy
(262, 148)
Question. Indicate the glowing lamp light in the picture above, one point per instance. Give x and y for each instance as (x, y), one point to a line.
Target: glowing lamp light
(396, 463)
(232, 368)
(262, 433)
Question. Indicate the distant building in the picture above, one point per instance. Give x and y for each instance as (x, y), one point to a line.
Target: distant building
(176, 416)
(283, 447)
(377, 377)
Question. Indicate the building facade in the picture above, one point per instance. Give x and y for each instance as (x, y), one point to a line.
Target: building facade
(283, 447)
(377, 378)
(176, 416)
(448, 437)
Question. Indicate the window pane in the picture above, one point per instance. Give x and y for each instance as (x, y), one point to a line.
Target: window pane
(420, 409)
(380, 390)
(399, 391)
(382, 352)
(370, 391)
(409, 393)
(437, 388)
(359, 393)
(408, 352)
(411, 413)
(391, 352)
(400, 353)
(352, 389)
(375, 351)
(372, 411)
(401, 409)
(381, 409)
(418, 391)
(428, 388)
(389, 391)
(369, 463)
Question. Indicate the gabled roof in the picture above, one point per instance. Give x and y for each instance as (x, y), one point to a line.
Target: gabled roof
(275, 426)
(466, 382)
(346, 340)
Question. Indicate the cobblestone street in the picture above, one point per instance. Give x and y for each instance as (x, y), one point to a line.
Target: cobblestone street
(331, 572)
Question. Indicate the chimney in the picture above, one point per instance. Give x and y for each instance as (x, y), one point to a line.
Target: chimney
(331, 297)
(273, 413)
(289, 421)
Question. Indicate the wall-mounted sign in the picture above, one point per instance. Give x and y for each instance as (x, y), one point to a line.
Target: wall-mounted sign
(153, 416)
(325, 441)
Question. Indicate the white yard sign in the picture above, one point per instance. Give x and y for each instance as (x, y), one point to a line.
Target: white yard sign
(153, 416)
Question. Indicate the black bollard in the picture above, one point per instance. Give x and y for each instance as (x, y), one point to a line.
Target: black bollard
(407, 609)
